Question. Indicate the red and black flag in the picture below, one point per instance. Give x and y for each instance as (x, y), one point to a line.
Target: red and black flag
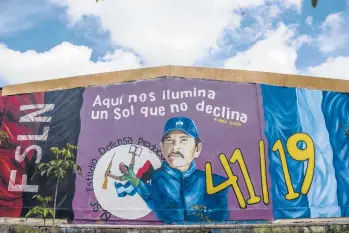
(145, 172)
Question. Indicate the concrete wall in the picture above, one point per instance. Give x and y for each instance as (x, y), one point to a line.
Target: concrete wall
(179, 151)
(313, 226)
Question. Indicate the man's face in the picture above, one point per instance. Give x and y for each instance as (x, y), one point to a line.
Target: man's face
(179, 150)
(123, 168)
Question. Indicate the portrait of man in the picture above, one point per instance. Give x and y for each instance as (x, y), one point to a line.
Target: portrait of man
(178, 189)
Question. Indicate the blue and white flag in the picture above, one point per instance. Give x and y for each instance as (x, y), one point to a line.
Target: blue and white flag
(124, 189)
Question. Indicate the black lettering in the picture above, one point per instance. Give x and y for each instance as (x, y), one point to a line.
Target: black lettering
(92, 168)
(159, 154)
(96, 208)
(93, 204)
(130, 140)
(140, 140)
(106, 214)
(124, 141)
(120, 142)
(152, 147)
(102, 151)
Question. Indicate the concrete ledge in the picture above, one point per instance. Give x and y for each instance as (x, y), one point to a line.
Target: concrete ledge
(336, 225)
(219, 74)
(30, 221)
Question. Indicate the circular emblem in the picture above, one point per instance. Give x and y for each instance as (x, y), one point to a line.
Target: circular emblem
(118, 197)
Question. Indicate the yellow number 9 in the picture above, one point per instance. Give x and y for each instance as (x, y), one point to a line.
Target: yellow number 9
(302, 155)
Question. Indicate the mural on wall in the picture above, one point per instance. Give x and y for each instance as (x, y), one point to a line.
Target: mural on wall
(33, 123)
(174, 189)
(163, 151)
(174, 150)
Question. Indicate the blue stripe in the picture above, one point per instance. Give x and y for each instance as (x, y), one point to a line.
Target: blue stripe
(324, 181)
(125, 186)
(335, 107)
(119, 185)
(281, 121)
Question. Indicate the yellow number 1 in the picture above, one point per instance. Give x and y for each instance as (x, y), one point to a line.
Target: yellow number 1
(237, 157)
(263, 172)
(291, 193)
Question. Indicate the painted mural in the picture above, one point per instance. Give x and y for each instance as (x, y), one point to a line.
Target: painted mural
(179, 151)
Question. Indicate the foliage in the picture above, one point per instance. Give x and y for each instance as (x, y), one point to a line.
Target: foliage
(62, 164)
(4, 139)
(42, 210)
(338, 229)
(26, 229)
(200, 211)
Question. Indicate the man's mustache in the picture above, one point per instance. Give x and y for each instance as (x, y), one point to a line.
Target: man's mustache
(175, 153)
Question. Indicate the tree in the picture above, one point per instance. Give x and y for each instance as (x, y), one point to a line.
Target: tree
(58, 168)
(42, 210)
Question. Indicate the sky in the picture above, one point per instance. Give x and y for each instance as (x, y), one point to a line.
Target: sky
(47, 39)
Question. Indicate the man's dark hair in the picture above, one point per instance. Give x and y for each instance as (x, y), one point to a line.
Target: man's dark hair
(197, 141)
(126, 169)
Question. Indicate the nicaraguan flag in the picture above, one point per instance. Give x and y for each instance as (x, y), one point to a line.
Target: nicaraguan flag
(124, 189)
(144, 173)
